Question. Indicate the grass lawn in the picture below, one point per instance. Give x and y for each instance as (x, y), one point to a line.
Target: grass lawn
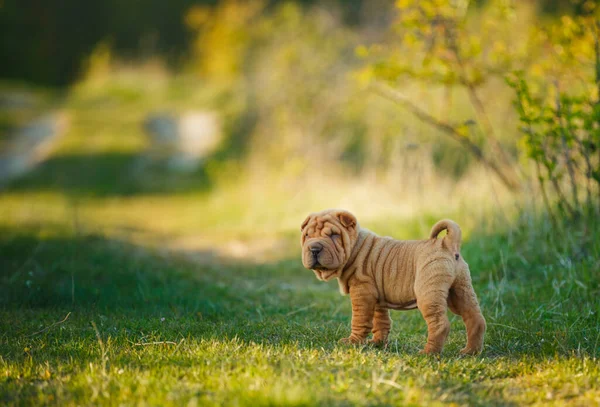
(89, 316)
(144, 328)
(148, 328)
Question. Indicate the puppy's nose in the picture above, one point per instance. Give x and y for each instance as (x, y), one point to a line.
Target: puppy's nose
(315, 249)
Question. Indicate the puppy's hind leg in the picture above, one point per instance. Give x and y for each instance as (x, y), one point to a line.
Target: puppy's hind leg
(462, 301)
(431, 289)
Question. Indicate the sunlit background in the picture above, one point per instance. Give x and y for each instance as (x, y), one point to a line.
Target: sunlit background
(222, 123)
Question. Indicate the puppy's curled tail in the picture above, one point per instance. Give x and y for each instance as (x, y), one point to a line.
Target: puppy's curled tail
(452, 239)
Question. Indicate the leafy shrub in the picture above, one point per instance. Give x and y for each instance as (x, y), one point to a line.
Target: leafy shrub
(559, 108)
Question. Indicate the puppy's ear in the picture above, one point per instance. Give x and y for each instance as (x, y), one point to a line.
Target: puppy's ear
(305, 223)
(348, 220)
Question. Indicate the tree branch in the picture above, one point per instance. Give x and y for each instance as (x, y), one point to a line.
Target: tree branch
(446, 128)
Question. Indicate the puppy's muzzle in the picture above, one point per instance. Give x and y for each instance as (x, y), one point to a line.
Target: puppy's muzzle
(315, 249)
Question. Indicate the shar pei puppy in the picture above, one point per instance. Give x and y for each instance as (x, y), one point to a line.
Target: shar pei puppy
(381, 273)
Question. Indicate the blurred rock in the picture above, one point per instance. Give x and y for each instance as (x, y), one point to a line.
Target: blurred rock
(183, 142)
(17, 100)
(30, 144)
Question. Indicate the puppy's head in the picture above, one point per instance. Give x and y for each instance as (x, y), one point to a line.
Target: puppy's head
(327, 241)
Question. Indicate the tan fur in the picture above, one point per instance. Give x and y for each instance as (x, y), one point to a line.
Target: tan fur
(381, 273)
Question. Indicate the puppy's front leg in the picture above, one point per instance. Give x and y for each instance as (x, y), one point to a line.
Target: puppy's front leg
(363, 309)
(381, 326)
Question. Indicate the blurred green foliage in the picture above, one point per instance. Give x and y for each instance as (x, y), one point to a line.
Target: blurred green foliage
(455, 45)
(46, 42)
(287, 80)
(558, 102)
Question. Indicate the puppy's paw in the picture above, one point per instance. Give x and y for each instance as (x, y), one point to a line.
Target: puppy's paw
(351, 341)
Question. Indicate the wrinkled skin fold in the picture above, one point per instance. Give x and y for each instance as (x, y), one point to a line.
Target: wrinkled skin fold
(381, 273)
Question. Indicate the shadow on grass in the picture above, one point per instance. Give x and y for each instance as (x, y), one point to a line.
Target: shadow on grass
(108, 174)
(92, 271)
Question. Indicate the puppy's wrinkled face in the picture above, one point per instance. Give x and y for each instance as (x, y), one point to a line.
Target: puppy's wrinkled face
(327, 241)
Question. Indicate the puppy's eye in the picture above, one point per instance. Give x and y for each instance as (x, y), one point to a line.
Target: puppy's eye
(334, 235)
